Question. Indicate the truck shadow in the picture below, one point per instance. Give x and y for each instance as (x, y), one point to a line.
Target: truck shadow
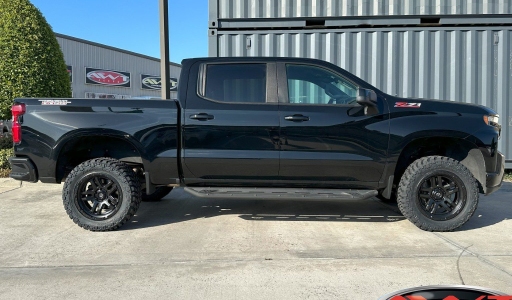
(492, 209)
(179, 206)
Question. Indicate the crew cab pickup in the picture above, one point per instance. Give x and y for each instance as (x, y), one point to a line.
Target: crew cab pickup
(269, 128)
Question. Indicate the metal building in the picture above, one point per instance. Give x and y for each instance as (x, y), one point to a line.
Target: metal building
(458, 50)
(100, 71)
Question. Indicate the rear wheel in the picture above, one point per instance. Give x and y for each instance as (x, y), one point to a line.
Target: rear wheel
(437, 193)
(101, 194)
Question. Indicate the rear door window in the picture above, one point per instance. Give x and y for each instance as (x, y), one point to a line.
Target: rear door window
(236, 83)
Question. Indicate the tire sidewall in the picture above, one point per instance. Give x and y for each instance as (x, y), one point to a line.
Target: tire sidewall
(410, 205)
(72, 196)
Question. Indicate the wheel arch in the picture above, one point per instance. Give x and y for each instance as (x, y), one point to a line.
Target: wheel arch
(74, 149)
(459, 149)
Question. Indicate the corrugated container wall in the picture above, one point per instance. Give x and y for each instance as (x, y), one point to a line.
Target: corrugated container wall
(245, 9)
(81, 54)
(462, 64)
(458, 50)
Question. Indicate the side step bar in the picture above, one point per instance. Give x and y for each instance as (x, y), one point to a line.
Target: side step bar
(280, 193)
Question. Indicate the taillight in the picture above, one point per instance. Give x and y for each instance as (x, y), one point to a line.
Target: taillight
(17, 111)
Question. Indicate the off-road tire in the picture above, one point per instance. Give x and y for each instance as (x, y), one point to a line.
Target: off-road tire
(157, 195)
(428, 167)
(122, 175)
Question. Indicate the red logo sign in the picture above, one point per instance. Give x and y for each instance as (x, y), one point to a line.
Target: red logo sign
(413, 297)
(107, 77)
(447, 292)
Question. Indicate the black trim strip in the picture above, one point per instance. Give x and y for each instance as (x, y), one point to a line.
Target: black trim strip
(473, 20)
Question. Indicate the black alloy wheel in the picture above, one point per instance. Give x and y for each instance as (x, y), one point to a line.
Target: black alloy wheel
(437, 193)
(100, 196)
(441, 197)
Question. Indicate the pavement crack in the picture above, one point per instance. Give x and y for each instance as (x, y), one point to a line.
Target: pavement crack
(263, 258)
(10, 190)
(480, 257)
(13, 189)
(458, 264)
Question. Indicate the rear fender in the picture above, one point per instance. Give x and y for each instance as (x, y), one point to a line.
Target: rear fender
(125, 147)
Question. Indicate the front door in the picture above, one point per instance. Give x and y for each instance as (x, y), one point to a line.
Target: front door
(326, 137)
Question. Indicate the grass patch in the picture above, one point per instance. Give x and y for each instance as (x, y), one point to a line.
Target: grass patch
(4, 156)
(508, 176)
(4, 163)
(4, 173)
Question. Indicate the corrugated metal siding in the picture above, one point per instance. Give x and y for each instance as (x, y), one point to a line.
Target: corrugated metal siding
(462, 64)
(81, 55)
(248, 9)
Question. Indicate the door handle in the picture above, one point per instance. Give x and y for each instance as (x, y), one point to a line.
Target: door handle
(202, 117)
(297, 118)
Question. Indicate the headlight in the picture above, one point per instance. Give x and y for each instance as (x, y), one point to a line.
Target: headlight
(492, 120)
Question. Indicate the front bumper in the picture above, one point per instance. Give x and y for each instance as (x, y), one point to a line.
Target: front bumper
(23, 169)
(494, 180)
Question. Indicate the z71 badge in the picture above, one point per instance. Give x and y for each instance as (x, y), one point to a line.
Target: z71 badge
(407, 104)
(55, 102)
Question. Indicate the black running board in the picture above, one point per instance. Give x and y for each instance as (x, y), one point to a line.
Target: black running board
(280, 193)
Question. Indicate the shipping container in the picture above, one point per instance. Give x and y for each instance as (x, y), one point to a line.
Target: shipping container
(266, 9)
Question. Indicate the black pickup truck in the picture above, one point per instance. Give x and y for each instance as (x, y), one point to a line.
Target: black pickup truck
(269, 128)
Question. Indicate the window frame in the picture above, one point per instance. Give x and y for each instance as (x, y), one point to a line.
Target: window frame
(284, 97)
(270, 82)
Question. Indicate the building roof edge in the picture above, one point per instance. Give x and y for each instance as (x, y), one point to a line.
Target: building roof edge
(59, 35)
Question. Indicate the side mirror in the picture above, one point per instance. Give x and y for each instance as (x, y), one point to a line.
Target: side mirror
(366, 97)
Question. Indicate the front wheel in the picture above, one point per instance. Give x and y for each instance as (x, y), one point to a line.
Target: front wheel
(101, 194)
(437, 193)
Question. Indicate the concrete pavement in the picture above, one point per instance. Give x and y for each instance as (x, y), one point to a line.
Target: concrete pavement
(192, 248)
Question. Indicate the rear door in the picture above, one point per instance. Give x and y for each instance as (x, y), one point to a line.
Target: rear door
(327, 138)
(231, 124)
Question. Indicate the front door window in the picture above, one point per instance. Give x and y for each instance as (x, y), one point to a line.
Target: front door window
(314, 85)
